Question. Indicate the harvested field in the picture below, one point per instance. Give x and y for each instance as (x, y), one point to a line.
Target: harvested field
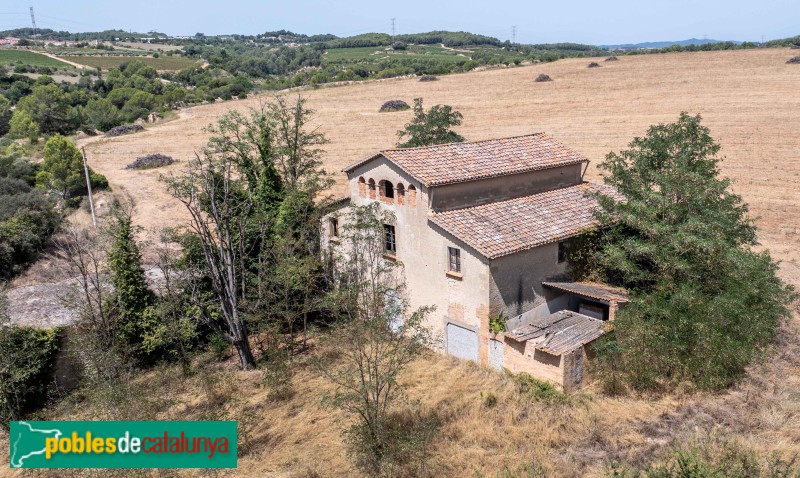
(748, 98)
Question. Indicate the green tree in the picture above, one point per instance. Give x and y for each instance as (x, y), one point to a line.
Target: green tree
(704, 304)
(50, 108)
(23, 126)
(62, 169)
(102, 114)
(131, 293)
(431, 127)
(5, 115)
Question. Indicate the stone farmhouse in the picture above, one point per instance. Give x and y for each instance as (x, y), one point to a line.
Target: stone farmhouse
(480, 229)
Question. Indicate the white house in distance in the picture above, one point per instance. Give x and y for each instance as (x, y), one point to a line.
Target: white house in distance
(479, 228)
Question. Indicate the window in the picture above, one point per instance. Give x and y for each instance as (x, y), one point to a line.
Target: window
(388, 190)
(562, 252)
(454, 255)
(391, 245)
(334, 227)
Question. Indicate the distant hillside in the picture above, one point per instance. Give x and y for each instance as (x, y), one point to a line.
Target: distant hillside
(663, 44)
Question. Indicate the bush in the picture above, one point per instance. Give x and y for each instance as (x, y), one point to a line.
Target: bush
(124, 129)
(398, 45)
(795, 60)
(714, 457)
(593, 64)
(537, 389)
(394, 105)
(26, 369)
(612, 58)
(151, 161)
(428, 78)
(542, 78)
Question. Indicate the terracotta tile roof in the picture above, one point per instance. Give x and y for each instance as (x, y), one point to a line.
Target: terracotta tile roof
(504, 227)
(561, 332)
(471, 160)
(592, 290)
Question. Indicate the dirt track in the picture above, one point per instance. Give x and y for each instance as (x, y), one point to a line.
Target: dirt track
(748, 98)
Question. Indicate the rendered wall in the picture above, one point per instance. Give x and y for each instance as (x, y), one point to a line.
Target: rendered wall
(516, 280)
(473, 193)
(422, 249)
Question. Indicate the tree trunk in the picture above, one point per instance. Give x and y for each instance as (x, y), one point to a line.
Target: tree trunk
(246, 357)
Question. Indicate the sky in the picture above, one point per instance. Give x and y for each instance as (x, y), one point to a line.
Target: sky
(581, 21)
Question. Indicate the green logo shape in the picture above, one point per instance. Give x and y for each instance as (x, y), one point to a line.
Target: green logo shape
(120, 444)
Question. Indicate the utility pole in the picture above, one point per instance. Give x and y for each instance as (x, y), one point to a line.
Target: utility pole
(89, 187)
(33, 21)
(393, 26)
(513, 34)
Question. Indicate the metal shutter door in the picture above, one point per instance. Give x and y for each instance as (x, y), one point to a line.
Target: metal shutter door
(462, 343)
(496, 354)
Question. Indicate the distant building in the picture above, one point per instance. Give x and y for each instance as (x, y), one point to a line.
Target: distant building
(480, 229)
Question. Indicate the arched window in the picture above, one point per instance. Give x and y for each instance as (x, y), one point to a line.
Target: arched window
(371, 185)
(362, 187)
(401, 194)
(386, 191)
(412, 195)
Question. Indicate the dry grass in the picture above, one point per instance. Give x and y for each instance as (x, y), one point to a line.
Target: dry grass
(748, 99)
(299, 437)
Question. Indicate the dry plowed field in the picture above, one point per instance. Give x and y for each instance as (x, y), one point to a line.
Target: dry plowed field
(749, 99)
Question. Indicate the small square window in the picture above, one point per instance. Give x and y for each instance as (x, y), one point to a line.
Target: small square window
(334, 227)
(454, 259)
(389, 236)
(562, 252)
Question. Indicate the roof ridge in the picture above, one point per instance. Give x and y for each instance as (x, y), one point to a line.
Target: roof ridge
(473, 141)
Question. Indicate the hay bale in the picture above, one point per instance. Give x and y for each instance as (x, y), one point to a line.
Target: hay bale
(394, 105)
(151, 161)
(612, 58)
(124, 129)
(542, 78)
(794, 61)
(427, 78)
(593, 64)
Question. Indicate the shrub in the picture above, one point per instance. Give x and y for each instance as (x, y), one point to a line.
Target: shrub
(712, 457)
(124, 129)
(612, 58)
(593, 64)
(542, 78)
(428, 78)
(151, 161)
(398, 45)
(536, 389)
(394, 105)
(26, 369)
(795, 60)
